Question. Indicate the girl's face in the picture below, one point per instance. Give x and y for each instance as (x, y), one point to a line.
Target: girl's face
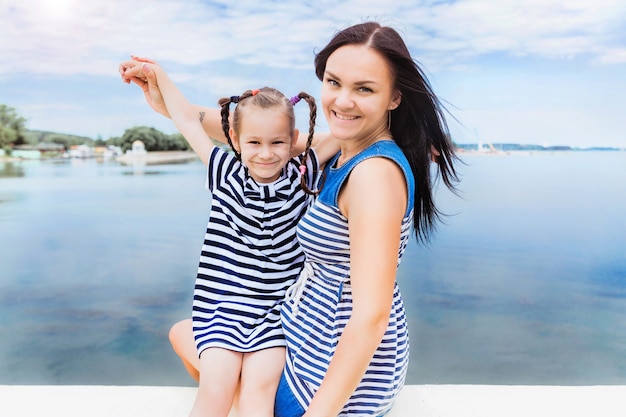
(357, 92)
(265, 142)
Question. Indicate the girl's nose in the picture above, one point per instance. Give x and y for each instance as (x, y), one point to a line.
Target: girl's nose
(265, 152)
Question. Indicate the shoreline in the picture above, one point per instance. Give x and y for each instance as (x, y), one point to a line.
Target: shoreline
(149, 158)
(157, 157)
(500, 152)
(414, 401)
(173, 157)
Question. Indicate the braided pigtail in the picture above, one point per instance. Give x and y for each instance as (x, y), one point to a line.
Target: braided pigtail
(224, 104)
(303, 158)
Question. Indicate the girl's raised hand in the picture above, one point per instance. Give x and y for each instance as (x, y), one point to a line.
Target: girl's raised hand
(131, 69)
(137, 72)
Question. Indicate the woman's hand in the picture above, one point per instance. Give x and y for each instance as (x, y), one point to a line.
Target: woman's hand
(137, 72)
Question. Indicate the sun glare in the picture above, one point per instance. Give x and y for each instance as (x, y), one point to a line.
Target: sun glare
(56, 9)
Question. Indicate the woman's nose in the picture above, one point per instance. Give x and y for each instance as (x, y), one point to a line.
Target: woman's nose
(344, 99)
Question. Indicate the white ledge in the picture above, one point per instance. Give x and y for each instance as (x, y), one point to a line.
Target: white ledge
(415, 401)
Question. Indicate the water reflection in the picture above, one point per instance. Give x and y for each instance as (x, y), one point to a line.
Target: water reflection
(11, 169)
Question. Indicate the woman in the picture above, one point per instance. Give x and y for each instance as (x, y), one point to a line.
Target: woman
(344, 320)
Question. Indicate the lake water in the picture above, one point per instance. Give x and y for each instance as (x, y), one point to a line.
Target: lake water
(524, 284)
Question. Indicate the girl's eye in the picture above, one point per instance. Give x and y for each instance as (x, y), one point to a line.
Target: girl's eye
(332, 82)
(365, 90)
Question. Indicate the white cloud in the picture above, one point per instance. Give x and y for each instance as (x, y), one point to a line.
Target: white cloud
(468, 29)
(71, 36)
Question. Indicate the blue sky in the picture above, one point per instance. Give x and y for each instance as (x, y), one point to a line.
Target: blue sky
(547, 72)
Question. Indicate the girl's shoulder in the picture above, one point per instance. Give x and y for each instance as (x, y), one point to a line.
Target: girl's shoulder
(221, 156)
(221, 164)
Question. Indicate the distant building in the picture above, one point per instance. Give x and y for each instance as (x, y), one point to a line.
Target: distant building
(138, 148)
(38, 151)
(109, 151)
(80, 151)
(26, 153)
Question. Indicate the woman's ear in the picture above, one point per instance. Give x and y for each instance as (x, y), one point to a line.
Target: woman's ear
(235, 139)
(395, 100)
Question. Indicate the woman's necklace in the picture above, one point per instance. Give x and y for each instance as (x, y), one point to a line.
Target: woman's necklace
(343, 159)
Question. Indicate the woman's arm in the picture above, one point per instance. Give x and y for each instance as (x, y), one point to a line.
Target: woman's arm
(180, 110)
(375, 228)
(324, 144)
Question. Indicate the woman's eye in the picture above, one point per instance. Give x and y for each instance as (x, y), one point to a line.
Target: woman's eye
(332, 82)
(365, 90)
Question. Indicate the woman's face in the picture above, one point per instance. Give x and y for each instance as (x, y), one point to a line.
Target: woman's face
(357, 92)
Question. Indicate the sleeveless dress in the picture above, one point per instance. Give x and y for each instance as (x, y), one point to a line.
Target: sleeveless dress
(319, 305)
(250, 255)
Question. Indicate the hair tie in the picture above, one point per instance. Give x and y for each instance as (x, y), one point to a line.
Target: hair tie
(234, 99)
(255, 92)
(294, 100)
(302, 169)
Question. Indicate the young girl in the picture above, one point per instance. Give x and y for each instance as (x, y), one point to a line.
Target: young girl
(250, 255)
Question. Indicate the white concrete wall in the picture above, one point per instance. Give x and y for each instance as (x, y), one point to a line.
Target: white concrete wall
(415, 401)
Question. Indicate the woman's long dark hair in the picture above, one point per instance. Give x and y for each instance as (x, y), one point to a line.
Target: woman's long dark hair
(417, 124)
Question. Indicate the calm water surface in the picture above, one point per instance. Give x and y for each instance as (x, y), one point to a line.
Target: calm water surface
(524, 284)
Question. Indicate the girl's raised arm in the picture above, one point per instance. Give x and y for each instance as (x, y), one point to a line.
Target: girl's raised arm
(132, 71)
(183, 114)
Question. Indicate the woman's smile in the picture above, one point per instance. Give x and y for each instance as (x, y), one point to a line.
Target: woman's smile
(341, 116)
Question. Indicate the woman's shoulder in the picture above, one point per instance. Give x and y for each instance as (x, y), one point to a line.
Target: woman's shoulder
(377, 167)
(384, 163)
(388, 148)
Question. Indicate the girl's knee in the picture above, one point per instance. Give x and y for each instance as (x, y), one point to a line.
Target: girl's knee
(179, 332)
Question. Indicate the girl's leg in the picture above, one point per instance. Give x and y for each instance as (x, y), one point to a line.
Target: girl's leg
(260, 374)
(181, 338)
(219, 378)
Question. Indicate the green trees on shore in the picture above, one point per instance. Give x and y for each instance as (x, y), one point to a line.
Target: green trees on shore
(13, 133)
(11, 127)
(153, 140)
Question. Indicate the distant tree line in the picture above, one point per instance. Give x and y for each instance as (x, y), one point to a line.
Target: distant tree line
(13, 133)
(153, 140)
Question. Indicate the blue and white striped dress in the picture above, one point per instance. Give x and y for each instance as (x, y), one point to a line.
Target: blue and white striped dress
(318, 307)
(250, 255)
